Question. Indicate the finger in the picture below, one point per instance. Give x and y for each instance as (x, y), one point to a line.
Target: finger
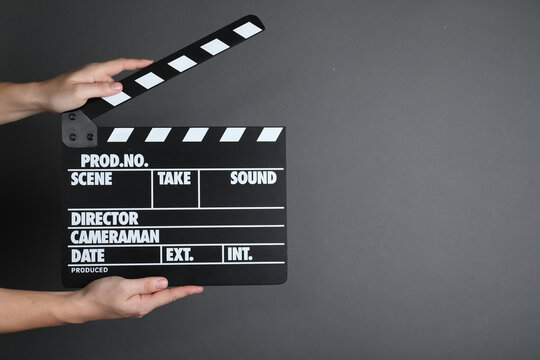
(116, 66)
(101, 89)
(167, 296)
(146, 285)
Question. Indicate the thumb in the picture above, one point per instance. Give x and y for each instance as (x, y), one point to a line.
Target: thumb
(146, 285)
(100, 89)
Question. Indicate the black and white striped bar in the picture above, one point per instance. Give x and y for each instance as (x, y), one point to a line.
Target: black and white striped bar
(194, 134)
(176, 63)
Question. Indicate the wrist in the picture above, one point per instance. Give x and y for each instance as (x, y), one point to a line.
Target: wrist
(28, 97)
(71, 308)
(36, 96)
(18, 101)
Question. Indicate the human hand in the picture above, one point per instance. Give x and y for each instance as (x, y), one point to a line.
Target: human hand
(115, 297)
(72, 89)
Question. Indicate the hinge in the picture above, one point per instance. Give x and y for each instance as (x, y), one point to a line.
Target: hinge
(78, 131)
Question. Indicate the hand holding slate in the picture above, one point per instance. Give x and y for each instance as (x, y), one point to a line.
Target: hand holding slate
(65, 92)
(115, 297)
(72, 89)
(107, 298)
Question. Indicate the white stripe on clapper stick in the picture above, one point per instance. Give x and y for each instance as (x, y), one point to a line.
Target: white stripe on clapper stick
(182, 63)
(232, 134)
(215, 46)
(269, 134)
(195, 134)
(117, 99)
(120, 135)
(158, 135)
(247, 30)
(149, 80)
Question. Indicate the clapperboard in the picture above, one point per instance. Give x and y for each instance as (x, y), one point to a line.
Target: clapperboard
(199, 205)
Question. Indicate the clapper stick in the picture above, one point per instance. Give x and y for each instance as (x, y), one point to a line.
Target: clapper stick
(78, 129)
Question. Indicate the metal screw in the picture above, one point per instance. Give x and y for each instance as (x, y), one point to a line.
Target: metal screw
(72, 137)
(90, 137)
(72, 116)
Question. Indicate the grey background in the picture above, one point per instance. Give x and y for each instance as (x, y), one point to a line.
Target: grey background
(413, 174)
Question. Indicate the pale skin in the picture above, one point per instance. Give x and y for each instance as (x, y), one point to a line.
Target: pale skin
(108, 298)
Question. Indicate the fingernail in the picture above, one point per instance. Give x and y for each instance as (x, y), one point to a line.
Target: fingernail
(198, 290)
(116, 86)
(162, 284)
